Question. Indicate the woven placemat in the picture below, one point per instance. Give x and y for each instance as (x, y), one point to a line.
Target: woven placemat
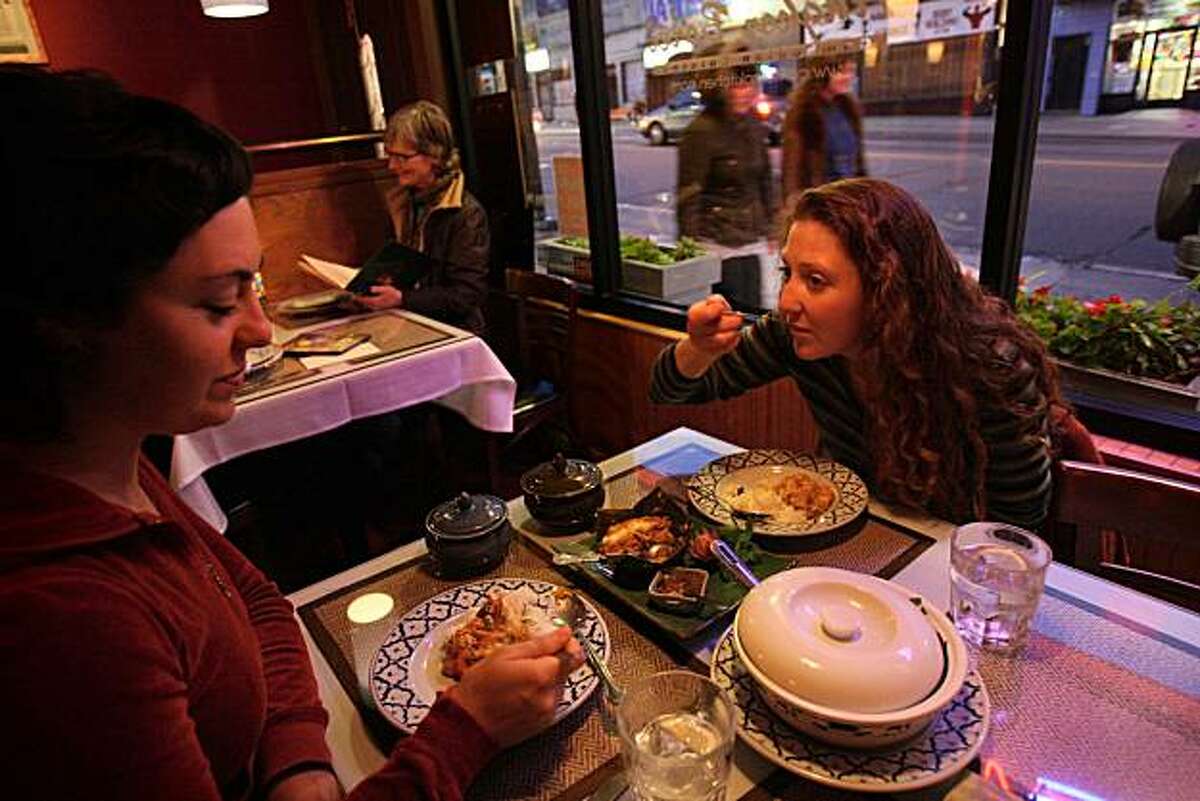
(1098, 704)
(565, 763)
(873, 545)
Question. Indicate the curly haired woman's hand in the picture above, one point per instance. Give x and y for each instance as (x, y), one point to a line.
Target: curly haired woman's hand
(714, 329)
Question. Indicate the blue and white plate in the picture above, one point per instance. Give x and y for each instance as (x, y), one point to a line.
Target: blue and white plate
(406, 673)
(944, 749)
(714, 485)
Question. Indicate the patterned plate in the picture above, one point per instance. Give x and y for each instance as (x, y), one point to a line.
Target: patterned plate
(946, 747)
(709, 488)
(406, 673)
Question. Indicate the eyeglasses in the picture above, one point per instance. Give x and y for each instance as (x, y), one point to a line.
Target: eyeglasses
(396, 154)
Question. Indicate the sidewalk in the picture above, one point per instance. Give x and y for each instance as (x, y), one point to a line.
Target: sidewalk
(1165, 124)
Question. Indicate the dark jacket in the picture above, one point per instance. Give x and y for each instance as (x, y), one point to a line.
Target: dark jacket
(454, 231)
(804, 144)
(725, 192)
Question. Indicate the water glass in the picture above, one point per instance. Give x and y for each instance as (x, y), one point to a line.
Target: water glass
(676, 737)
(997, 573)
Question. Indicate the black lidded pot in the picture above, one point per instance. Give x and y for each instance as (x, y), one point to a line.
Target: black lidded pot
(467, 535)
(563, 494)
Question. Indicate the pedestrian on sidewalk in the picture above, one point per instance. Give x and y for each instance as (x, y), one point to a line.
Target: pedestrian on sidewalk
(823, 130)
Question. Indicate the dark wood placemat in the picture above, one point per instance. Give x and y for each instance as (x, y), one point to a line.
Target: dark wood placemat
(565, 763)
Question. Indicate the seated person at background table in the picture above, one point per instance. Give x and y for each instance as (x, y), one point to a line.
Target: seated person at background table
(141, 655)
(934, 392)
(433, 212)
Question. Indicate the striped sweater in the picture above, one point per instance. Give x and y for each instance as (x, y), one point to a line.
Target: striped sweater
(1017, 475)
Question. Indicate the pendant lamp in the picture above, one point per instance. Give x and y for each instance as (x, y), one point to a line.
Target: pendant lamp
(228, 9)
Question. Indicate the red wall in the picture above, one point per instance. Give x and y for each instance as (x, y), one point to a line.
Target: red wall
(255, 77)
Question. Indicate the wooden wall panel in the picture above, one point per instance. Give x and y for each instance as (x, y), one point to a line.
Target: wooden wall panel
(336, 212)
(611, 409)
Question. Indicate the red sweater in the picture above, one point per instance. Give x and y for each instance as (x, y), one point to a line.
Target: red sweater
(148, 659)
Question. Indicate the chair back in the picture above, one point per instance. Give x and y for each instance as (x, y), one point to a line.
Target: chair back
(546, 306)
(1158, 518)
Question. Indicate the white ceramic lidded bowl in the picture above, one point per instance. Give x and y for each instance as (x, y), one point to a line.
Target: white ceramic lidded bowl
(848, 658)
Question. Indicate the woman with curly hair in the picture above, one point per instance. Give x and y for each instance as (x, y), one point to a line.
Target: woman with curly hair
(930, 389)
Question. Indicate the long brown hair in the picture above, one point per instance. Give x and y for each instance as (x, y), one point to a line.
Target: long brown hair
(935, 348)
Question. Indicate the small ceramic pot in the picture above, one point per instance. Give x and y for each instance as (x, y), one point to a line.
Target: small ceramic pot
(563, 494)
(467, 536)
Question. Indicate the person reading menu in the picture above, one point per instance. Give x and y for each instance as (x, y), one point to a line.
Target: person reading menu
(438, 263)
(141, 655)
(931, 390)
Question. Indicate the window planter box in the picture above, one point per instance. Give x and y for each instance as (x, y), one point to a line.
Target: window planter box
(1146, 393)
(683, 282)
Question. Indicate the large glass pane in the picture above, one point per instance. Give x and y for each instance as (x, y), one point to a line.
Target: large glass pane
(1110, 241)
(560, 208)
(901, 90)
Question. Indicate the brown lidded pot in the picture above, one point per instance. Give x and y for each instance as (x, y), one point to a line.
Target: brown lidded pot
(468, 535)
(563, 494)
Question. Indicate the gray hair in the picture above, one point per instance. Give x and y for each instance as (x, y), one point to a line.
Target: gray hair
(427, 128)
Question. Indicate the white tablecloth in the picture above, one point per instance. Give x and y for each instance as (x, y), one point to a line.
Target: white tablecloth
(463, 375)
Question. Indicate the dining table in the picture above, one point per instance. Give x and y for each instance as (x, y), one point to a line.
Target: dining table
(1102, 704)
(406, 359)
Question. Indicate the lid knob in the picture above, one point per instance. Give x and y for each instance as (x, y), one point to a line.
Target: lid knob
(842, 623)
(463, 501)
(560, 464)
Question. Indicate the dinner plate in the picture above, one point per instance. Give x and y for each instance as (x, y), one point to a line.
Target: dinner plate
(314, 302)
(720, 482)
(258, 359)
(944, 749)
(406, 673)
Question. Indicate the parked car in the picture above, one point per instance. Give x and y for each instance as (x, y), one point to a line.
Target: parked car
(667, 122)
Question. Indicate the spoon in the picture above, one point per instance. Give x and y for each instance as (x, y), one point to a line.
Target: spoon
(570, 613)
(733, 564)
(577, 558)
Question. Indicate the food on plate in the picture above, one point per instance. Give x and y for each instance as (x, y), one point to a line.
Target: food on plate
(503, 619)
(648, 537)
(701, 546)
(797, 495)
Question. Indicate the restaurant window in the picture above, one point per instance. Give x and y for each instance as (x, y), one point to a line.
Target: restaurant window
(1111, 247)
(698, 202)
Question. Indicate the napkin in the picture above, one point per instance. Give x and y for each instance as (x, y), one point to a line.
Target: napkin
(313, 362)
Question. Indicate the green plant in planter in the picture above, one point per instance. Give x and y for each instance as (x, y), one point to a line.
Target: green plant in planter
(1159, 340)
(639, 248)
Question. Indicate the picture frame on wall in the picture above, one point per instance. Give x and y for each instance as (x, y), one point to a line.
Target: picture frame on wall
(19, 37)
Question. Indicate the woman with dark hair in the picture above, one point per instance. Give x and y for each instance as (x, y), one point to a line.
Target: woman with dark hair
(432, 212)
(142, 656)
(823, 131)
(930, 389)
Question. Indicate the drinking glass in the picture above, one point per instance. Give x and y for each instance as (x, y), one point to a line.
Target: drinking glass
(676, 737)
(997, 573)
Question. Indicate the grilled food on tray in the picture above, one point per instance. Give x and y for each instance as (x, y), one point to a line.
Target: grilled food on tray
(649, 537)
(503, 619)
